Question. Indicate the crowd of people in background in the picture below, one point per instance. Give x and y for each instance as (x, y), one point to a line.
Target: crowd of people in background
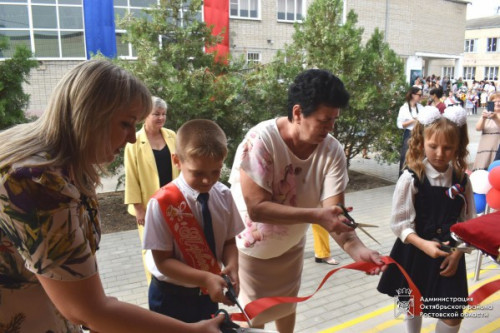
(456, 92)
(443, 93)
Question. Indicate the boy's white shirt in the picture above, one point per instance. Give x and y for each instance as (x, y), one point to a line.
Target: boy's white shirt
(226, 223)
(403, 202)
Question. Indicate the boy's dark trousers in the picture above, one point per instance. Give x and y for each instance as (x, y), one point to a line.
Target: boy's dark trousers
(497, 156)
(185, 304)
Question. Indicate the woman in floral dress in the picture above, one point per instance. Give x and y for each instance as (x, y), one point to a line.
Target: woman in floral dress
(49, 217)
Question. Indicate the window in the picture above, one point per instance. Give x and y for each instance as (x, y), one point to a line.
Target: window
(290, 10)
(449, 72)
(470, 45)
(253, 58)
(491, 73)
(244, 9)
(136, 9)
(470, 73)
(123, 8)
(49, 28)
(491, 45)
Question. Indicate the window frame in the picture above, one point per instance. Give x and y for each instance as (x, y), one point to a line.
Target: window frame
(487, 73)
(467, 44)
(285, 20)
(128, 9)
(251, 62)
(446, 72)
(469, 72)
(32, 31)
(490, 45)
(238, 4)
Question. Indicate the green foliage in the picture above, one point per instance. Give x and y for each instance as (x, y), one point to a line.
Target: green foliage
(13, 72)
(182, 73)
(372, 73)
(172, 62)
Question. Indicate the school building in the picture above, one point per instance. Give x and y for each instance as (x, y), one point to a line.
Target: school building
(482, 49)
(427, 34)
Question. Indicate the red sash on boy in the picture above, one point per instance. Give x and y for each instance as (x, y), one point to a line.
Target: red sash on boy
(188, 234)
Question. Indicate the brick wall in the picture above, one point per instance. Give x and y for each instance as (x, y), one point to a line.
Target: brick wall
(42, 81)
(435, 26)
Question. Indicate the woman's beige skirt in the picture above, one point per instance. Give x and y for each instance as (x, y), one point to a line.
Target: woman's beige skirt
(279, 276)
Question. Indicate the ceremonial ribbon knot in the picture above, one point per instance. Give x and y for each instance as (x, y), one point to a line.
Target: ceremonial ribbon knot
(178, 212)
(455, 190)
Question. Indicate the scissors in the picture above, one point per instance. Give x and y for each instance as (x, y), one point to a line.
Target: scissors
(461, 246)
(229, 326)
(231, 294)
(353, 224)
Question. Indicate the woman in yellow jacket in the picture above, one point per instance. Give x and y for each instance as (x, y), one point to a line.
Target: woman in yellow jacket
(148, 165)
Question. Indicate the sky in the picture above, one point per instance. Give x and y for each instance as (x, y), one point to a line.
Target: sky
(482, 8)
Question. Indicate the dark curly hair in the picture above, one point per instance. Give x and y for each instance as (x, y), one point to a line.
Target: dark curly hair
(313, 88)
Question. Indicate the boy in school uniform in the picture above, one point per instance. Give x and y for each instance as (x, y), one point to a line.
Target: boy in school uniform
(190, 228)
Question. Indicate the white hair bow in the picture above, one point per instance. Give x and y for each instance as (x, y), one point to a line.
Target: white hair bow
(430, 114)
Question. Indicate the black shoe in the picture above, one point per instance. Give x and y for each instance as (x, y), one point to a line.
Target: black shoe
(327, 260)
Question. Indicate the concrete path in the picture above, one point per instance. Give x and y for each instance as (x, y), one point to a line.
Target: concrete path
(349, 301)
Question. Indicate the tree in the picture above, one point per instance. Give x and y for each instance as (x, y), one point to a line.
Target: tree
(13, 72)
(170, 42)
(372, 73)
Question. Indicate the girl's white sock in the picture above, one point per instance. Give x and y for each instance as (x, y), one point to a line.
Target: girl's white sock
(442, 327)
(413, 325)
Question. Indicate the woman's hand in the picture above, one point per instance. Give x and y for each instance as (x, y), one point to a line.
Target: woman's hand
(332, 220)
(486, 114)
(140, 214)
(369, 255)
(210, 325)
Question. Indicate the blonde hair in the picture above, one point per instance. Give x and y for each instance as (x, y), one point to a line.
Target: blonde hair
(74, 129)
(494, 96)
(451, 132)
(201, 137)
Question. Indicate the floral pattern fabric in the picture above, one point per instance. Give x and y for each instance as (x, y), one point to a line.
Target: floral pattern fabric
(268, 161)
(46, 228)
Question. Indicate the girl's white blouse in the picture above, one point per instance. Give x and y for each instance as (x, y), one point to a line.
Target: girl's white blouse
(403, 202)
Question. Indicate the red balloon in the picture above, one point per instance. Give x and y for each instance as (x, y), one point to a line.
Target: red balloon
(493, 198)
(494, 178)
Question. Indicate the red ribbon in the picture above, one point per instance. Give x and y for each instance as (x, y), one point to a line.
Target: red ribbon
(255, 307)
(484, 292)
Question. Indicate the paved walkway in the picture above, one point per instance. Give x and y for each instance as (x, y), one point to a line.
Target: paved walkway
(349, 301)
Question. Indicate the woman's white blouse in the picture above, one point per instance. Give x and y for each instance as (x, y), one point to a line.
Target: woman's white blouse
(403, 202)
(405, 115)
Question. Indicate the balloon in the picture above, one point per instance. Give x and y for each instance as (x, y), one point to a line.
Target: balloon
(493, 165)
(479, 181)
(480, 200)
(493, 198)
(494, 178)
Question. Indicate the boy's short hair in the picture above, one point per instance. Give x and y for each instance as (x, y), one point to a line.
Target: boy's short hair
(201, 138)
